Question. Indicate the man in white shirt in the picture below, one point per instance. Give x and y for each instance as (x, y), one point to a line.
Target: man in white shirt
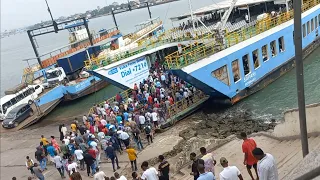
(99, 175)
(71, 166)
(64, 130)
(84, 119)
(58, 164)
(142, 120)
(154, 116)
(149, 173)
(267, 168)
(79, 154)
(118, 177)
(229, 172)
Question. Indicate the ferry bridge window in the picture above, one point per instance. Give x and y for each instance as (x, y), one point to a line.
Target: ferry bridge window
(273, 48)
(308, 27)
(316, 21)
(312, 25)
(319, 19)
(13, 101)
(304, 30)
(255, 57)
(221, 74)
(235, 70)
(281, 44)
(246, 64)
(265, 53)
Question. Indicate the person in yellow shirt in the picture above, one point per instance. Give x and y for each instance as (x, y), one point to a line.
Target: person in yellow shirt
(44, 140)
(73, 127)
(45, 143)
(132, 157)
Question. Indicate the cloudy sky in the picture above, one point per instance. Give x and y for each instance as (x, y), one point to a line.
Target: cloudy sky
(19, 13)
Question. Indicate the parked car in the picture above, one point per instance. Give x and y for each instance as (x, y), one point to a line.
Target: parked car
(17, 115)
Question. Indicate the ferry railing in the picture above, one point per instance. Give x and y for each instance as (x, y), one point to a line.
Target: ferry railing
(187, 55)
(61, 52)
(184, 104)
(143, 45)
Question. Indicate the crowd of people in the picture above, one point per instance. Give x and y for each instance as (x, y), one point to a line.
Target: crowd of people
(82, 152)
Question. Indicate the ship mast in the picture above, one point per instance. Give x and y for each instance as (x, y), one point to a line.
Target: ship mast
(192, 18)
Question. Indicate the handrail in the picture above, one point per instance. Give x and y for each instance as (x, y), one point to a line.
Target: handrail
(310, 175)
(144, 45)
(184, 58)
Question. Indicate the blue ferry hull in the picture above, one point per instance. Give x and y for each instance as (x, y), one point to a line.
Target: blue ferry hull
(200, 74)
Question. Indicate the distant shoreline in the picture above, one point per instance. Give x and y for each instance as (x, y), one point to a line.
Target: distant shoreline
(122, 10)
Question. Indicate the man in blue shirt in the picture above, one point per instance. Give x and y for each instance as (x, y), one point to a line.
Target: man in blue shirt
(119, 119)
(204, 175)
(126, 116)
(51, 150)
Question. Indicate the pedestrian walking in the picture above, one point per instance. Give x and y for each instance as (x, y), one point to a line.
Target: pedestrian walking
(205, 175)
(99, 175)
(135, 176)
(164, 168)
(79, 155)
(118, 177)
(267, 167)
(229, 172)
(110, 151)
(64, 130)
(209, 161)
(149, 173)
(30, 165)
(38, 172)
(58, 164)
(90, 163)
(60, 132)
(41, 158)
(249, 160)
(55, 144)
(194, 167)
(136, 137)
(71, 165)
(148, 132)
(132, 155)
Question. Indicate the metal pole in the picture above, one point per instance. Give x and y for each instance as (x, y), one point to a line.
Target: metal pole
(299, 74)
(49, 10)
(149, 10)
(191, 13)
(88, 31)
(114, 19)
(34, 48)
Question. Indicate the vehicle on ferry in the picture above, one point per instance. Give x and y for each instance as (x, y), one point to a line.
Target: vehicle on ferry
(17, 115)
(22, 94)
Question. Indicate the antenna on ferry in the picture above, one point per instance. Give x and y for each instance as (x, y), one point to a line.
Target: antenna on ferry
(191, 13)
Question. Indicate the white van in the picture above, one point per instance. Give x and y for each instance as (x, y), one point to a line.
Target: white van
(18, 96)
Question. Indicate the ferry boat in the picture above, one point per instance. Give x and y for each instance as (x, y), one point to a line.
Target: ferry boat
(229, 59)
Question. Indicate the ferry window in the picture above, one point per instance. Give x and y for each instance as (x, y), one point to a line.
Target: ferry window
(281, 44)
(312, 25)
(222, 74)
(20, 97)
(246, 64)
(304, 30)
(316, 21)
(255, 57)
(308, 27)
(273, 48)
(37, 87)
(319, 19)
(265, 53)
(235, 70)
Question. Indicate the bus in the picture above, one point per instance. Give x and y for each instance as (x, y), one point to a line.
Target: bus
(18, 96)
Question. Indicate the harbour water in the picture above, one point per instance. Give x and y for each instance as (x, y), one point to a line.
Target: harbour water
(266, 104)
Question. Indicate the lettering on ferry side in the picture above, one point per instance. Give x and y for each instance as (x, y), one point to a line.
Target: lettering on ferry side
(249, 79)
(113, 71)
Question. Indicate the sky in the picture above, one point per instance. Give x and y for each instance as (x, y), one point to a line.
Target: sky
(20, 13)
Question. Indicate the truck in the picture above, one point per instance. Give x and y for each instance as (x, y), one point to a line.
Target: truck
(69, 67)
